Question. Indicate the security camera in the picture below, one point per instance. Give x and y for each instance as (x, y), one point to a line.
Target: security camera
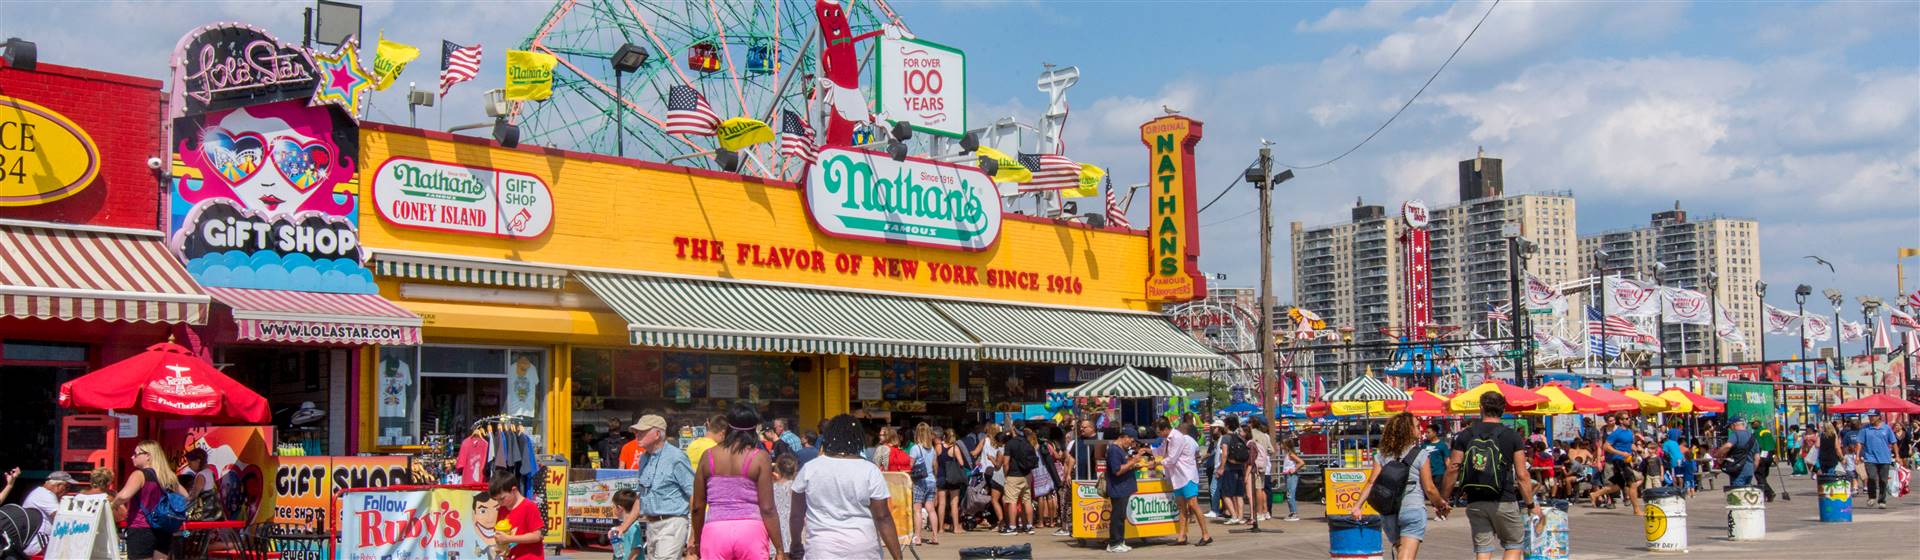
(154, 163)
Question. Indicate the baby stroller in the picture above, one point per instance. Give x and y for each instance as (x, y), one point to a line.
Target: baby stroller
(977, 508)
(18, 525)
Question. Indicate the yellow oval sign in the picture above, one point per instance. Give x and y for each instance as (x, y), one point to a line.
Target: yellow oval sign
(44, 156)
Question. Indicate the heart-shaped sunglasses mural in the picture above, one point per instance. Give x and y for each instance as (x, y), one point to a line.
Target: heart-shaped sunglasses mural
(236, 157)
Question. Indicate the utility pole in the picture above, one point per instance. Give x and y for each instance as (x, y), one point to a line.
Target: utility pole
(1267, 357)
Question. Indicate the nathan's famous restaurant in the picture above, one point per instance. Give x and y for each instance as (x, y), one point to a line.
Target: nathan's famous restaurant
(415, 284)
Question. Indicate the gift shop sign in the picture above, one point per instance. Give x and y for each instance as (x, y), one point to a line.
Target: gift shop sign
(44, 156)
(863, 195)
(454, 198)
(923, 84)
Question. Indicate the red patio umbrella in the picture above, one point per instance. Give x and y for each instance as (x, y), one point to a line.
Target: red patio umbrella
(166, 380)
(1616, 402)
(1882, 403)
(1518, 398)
(1422, 403)
(1318, 409)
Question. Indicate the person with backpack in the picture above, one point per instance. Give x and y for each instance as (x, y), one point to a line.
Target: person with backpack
(1401, 486)
(1489, 462)
(952, 474)
(157, 504)
(1233, 471)
(1737, 453)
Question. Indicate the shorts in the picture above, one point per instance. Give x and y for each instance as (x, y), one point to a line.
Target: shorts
(1496, 526)
(734, 539)
(1233, 484)
(143, 542)
(1410, 522)
(1619, 473)
(923, 491)
(1019, 490)
(1190, 490)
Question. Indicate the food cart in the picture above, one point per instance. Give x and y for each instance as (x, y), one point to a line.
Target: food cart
(1151, 511)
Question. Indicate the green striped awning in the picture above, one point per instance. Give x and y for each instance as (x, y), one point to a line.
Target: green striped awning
(465, 272)
(1126, 383)
(1365, 389)
(732, 316)
(1016, 333)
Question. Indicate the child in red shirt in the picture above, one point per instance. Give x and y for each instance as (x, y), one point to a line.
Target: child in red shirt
(524, 526)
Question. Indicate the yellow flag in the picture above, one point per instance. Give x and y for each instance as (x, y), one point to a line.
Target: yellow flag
(529, 75)
(740, 132)
(389, 58)
(1010, 169)
(1090, 177)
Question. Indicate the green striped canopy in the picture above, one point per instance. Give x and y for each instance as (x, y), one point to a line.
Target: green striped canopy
(1014, 333)
(1126, 383)
(466, 273)
(1366, 389)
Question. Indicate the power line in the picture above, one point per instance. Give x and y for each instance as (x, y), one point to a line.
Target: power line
(1236, 180)
(1410, 100)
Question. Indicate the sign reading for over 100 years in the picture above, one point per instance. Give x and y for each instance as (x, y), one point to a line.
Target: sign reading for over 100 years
(454, 198)
(44, 156)
(1174, 273)
(858, 194)
(923, 84)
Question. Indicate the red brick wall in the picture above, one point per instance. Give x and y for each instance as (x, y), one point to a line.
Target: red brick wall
(122, 114)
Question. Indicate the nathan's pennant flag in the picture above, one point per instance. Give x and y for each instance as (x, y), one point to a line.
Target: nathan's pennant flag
(796, 137)
(1779, 321)
(1008, 170)
(688, 113)
(1851, 331)
(1902, 319)
(1631, 298)
(1050, 172)
(1116, 216)
(530, 75)
(457, 64)
(1091, 176)
(1913, 299)
(1679, 306)
(1543, 297)
(741, 132)
(389, 59)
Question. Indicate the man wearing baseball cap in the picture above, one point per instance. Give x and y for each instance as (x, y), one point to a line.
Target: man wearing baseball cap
(45, 499)
(1738, 452)
(665, 488)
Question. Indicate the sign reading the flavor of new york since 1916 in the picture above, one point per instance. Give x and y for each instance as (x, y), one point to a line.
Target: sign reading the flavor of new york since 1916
(865, 195)
(454, 198)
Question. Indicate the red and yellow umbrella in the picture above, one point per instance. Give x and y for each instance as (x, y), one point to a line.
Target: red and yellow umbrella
(1562, 399)
(1616, 402)
(1649, 403)
(1688, 401)
(1422, 403)
(1518, 399)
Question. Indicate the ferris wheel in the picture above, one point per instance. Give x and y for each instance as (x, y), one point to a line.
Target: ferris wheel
(751, 58)
(1231, 330)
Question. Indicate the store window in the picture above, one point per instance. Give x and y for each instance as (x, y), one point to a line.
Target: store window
(612, 387)
(444, 389)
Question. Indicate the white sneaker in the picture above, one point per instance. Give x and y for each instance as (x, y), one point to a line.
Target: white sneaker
(1291, 517)
(1212, 515)
(1061, 533)
(1119, 549)
(1265, 517)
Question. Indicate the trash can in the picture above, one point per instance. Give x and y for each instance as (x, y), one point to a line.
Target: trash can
(1547, 536)
(1836, 498)
(1354, 540)
(1746, 514)
(1666, 519)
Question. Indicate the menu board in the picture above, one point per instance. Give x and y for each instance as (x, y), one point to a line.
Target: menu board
(637, 374)
(685, 376)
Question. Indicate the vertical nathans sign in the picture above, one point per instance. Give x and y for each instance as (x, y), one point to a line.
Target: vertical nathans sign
(862, 195)
(1174, 273)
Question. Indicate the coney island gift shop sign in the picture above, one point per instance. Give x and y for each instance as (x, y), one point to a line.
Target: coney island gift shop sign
(455, 198)
(864, 195)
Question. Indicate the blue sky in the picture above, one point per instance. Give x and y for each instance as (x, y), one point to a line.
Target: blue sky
(1805, 116)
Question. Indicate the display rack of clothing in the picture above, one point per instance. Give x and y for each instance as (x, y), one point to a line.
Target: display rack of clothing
(500, 444)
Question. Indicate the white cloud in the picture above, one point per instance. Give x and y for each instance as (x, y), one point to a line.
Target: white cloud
(1375, 14)
(1515, 29)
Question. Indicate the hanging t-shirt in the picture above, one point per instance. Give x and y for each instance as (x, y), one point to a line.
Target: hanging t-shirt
(394, 381)
(839, 493)
(472, 460)
(523, 388)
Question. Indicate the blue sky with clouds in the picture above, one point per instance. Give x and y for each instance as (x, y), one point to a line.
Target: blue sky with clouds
(1805, 116)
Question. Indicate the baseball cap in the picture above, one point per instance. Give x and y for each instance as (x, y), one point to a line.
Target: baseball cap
(650, 422)
(1217, 423)
(60, 476)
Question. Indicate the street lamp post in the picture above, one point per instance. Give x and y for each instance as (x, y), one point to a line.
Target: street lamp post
(1263, 178)
(1512, 233)
(1869, 305)
(1800, 294)
(1713, 312)
(1760, 298)
(628, 59)
(1600, 298)
(1654, 272)
(1839, 359)
(1346, 361)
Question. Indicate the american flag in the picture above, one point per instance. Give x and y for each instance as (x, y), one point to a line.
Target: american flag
(688, 113)
(457, 64)
(1614, 326)
(1050, 172)
(796, 137)
(1116, 216)
(1498, 313)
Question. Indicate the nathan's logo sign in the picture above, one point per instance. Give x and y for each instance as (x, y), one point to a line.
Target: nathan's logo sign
(228, 65)
(1174, 274)
(864, 195)
(454, 198)
(44, 156)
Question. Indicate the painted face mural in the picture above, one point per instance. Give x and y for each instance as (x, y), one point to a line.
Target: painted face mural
(265, 197)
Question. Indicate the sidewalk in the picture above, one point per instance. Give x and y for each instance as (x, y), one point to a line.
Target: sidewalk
(1794, 532)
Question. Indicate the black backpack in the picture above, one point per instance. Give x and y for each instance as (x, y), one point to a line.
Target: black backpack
(1236, 449)
(1486, 470)
(1391, 485)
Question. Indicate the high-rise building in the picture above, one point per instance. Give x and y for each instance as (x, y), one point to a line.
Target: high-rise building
(1719, 256)
(1351, 273)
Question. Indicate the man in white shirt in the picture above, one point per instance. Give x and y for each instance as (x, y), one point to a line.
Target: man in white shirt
(1183, 474)
(46, 500)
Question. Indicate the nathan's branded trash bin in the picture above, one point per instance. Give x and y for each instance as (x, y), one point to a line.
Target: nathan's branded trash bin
(1836, 498)
(1746, 514)
(1354, 540)
(1666, 519)
(1547, 535)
